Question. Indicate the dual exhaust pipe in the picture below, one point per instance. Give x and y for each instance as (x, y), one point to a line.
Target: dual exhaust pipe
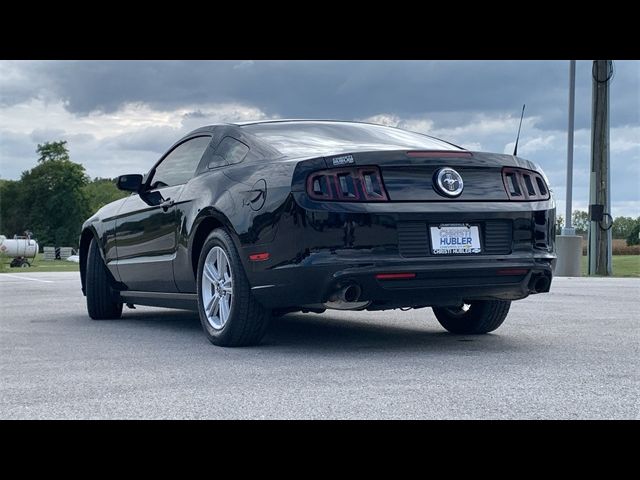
(347, 297)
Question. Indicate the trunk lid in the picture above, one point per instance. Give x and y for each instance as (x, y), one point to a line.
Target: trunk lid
(409, 176)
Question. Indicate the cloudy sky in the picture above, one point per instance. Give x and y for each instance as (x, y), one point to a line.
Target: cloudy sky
(119, 116)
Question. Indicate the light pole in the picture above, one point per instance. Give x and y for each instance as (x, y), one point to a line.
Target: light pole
(568, 230)
(569, 245)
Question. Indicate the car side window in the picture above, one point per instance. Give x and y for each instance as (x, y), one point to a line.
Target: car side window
(229, 151)
(180, 164)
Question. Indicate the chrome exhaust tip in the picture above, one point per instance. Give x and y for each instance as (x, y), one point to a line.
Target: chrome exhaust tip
(346, 298)
(539, 284)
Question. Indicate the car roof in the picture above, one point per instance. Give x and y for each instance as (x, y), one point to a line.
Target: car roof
(300, 120)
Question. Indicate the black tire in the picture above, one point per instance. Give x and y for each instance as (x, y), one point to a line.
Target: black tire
(248, 320)
(17, 263)
(100, 294)
(483, 316)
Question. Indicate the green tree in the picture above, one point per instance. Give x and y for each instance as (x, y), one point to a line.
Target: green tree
(622, 226)
(559, 224)
(53, 192)
(580, 221)
(12, 208)
(100, 192)
(634, 234)
(52, 151)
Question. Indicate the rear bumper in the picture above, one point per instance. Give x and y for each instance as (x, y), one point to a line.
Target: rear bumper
(436, 281)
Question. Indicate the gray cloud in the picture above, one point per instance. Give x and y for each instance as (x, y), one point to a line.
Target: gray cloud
(42, 135)
(14, 148)
(146, 139)
(119, 116)
(336, 89)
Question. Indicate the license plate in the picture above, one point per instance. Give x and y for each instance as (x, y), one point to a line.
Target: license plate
(454, 239)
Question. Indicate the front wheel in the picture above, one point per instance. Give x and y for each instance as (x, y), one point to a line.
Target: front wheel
(229, 314)
(482, 316)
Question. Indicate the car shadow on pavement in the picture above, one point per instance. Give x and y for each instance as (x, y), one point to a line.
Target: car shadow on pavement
(170, 319)
(328, 332)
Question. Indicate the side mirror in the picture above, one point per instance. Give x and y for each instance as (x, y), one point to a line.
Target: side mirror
(129, 183)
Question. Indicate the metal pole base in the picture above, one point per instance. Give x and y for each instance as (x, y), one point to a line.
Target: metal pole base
(569, 250)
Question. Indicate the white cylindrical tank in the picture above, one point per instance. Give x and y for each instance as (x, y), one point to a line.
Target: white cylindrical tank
(18, 247)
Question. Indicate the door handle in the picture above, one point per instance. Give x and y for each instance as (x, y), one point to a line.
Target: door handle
(167, 204)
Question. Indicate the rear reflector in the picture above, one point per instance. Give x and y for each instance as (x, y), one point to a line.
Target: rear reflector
(439, 154)
(259, 257)
(512, 271)
(395, 276)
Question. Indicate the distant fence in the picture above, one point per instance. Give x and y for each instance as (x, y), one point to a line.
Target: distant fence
(57, 253)
(618, 247)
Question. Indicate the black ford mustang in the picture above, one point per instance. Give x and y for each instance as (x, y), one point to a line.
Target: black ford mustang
(245, 221)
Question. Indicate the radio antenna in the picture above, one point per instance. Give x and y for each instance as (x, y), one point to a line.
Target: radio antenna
(515, 149)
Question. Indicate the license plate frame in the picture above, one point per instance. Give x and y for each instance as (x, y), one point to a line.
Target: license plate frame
(455, 239)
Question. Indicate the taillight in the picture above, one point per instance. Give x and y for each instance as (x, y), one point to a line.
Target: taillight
(358, 184)
(524, 184)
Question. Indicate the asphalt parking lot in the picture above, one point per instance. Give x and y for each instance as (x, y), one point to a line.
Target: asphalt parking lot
(573, 353)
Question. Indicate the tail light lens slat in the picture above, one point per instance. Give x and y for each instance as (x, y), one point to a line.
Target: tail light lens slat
(358, 184)
(523, 185)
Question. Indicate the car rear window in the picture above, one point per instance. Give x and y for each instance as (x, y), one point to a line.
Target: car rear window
(323, 138)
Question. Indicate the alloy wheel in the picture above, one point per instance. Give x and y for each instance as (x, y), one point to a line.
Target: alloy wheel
(217, 288)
